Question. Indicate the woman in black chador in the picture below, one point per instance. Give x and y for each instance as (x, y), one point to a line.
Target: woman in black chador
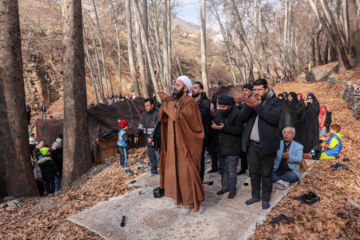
(296, 109)
(285, 118)
(310, 134)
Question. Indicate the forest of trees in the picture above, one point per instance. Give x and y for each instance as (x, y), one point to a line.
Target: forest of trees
(260, 39)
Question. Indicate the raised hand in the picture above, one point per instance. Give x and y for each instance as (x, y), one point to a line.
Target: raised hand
(164, 96)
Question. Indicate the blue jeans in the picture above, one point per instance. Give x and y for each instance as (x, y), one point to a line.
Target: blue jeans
(288, 176)
(229, 172)
(57, 183)
(42, 115)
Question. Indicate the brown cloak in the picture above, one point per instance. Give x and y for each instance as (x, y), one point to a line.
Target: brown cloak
(182, 138)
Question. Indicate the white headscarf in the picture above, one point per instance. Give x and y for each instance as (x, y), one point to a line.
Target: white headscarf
(187, 82)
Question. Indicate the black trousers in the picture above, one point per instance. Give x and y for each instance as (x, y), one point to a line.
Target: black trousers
(213, 152)
(244, 162)
(202, 169)
(261, 168)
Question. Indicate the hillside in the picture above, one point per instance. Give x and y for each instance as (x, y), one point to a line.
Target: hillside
(40, 24)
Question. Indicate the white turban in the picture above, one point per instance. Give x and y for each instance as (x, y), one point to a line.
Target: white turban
(187, 82)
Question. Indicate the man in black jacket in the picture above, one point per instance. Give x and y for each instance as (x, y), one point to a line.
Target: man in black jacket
(261, 139)
(204, 106)
(147, 126)
(227, 122)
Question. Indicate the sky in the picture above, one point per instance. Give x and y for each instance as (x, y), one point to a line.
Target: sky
(189, 10)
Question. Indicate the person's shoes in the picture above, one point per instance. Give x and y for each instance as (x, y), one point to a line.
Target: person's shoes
(278, 186)
(221, 192)
(265, 205)
(346, 160)
(241, 172)
(213, 170)
(185, 211)
(152, 174)
(309, 198)
(252, 200)
(232, 195)
(283, 183)
(129, 172)
(281, 219)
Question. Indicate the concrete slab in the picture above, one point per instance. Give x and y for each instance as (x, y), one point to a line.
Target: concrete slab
(151, 218)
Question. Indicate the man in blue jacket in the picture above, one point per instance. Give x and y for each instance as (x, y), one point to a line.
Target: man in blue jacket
(261, 139)
(288, 159)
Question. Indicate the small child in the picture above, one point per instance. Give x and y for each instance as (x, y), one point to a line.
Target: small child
(122, 142)
(32, 140)
(333, 145)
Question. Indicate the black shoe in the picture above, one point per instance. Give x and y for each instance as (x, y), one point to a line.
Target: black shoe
(241, 172)
(232, 195)
(221, 192)
(212, 171)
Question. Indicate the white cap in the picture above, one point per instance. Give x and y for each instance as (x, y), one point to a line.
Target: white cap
(187, 82)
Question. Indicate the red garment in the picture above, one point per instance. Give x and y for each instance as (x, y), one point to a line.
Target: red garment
(322, 117)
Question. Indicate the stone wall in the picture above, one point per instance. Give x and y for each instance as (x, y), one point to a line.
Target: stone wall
(351, 94)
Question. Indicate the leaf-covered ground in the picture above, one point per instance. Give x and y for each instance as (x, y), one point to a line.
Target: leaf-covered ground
(46, 217)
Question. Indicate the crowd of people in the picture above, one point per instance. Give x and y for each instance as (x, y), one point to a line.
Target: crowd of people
(47, 164)
(270, 136)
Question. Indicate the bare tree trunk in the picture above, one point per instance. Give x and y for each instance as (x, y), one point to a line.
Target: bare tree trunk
(146, 26)
(203, 48)
(16, 175)
(90, 66)
(317, 48)
(139, 55)
(101, 88)
(326, 53)
(169, 37)
(157, 38)
(147, 47)
(77, 160)
(118, 46)
(354, 31)
(241, 32)
(177, 60)
(130, 48)
(165, 45)
(102, 49)
(333, 33)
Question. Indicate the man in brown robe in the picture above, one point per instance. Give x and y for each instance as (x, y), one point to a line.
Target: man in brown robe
(182, 136)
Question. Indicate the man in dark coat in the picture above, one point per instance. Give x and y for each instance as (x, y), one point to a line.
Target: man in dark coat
(310, 134)
(147, 126)
(227, 123)
(204, 105)
(261, 139)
